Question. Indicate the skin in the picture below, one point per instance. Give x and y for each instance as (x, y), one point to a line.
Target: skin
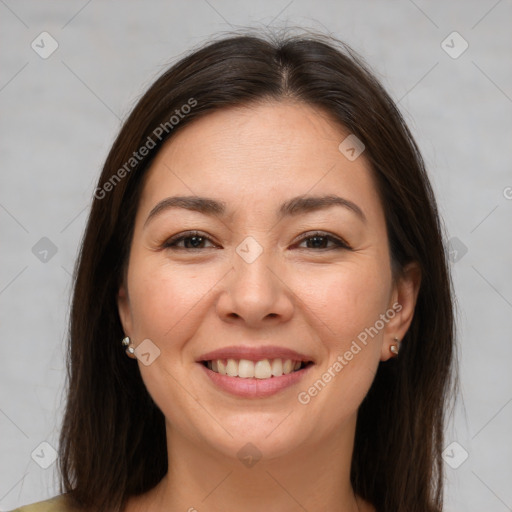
(315, 300)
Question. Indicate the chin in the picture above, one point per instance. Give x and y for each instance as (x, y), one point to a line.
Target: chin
(257, 435)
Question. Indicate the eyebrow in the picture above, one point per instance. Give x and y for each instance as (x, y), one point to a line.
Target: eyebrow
(295, 206)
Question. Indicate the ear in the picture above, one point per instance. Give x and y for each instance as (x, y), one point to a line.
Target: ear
(124, 309)
(403, 302)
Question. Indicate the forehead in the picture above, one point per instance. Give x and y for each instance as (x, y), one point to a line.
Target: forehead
(259, 153)
(263, 130)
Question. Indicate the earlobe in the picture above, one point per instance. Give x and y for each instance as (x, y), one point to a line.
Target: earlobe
(404, 298)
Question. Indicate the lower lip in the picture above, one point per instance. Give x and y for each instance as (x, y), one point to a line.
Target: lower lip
(252, 387)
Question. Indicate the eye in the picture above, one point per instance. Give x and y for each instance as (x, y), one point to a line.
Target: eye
(190, 240)
(320, 240)
(196, 240)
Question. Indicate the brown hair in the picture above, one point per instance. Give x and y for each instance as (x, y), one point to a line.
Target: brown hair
(112, 442)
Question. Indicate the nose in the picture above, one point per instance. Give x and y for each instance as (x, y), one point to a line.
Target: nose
(255, 295)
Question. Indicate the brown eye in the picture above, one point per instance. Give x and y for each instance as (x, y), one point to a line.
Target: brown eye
(188, 241)
(322, 240)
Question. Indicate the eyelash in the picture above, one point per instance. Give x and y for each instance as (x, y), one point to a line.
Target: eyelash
(172, 242)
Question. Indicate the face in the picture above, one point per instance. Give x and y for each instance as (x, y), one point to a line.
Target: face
(259, 281)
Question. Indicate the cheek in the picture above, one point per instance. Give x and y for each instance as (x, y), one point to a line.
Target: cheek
(165, 299)
(347, 299)
(168, 304)
(346, 304)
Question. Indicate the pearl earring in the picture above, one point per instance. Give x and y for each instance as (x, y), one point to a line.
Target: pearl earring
(395, 348)
(127, 343)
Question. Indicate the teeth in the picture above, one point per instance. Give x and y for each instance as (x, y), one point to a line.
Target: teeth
(288, 366)
(246, 369)
(232, 368)
(221, 365)
(262, 369)
(277, 367)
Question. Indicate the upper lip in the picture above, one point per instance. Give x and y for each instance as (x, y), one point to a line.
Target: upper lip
(254, 354)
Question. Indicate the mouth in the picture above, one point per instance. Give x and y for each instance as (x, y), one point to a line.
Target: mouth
(260, 369)
(252, 372)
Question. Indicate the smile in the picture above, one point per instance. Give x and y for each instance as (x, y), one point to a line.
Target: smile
(262, 369)
(255, 371)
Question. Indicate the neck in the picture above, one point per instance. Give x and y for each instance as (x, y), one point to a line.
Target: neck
(315, 477)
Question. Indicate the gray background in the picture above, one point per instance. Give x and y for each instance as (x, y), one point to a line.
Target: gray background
(60, 114)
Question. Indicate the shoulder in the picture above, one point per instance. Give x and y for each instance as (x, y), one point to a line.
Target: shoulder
(55, 504)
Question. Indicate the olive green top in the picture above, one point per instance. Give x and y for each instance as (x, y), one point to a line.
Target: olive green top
(55, 504)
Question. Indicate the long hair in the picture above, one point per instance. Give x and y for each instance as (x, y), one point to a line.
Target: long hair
(112, 442)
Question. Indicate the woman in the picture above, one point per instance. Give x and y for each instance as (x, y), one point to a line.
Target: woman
(265, 246)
